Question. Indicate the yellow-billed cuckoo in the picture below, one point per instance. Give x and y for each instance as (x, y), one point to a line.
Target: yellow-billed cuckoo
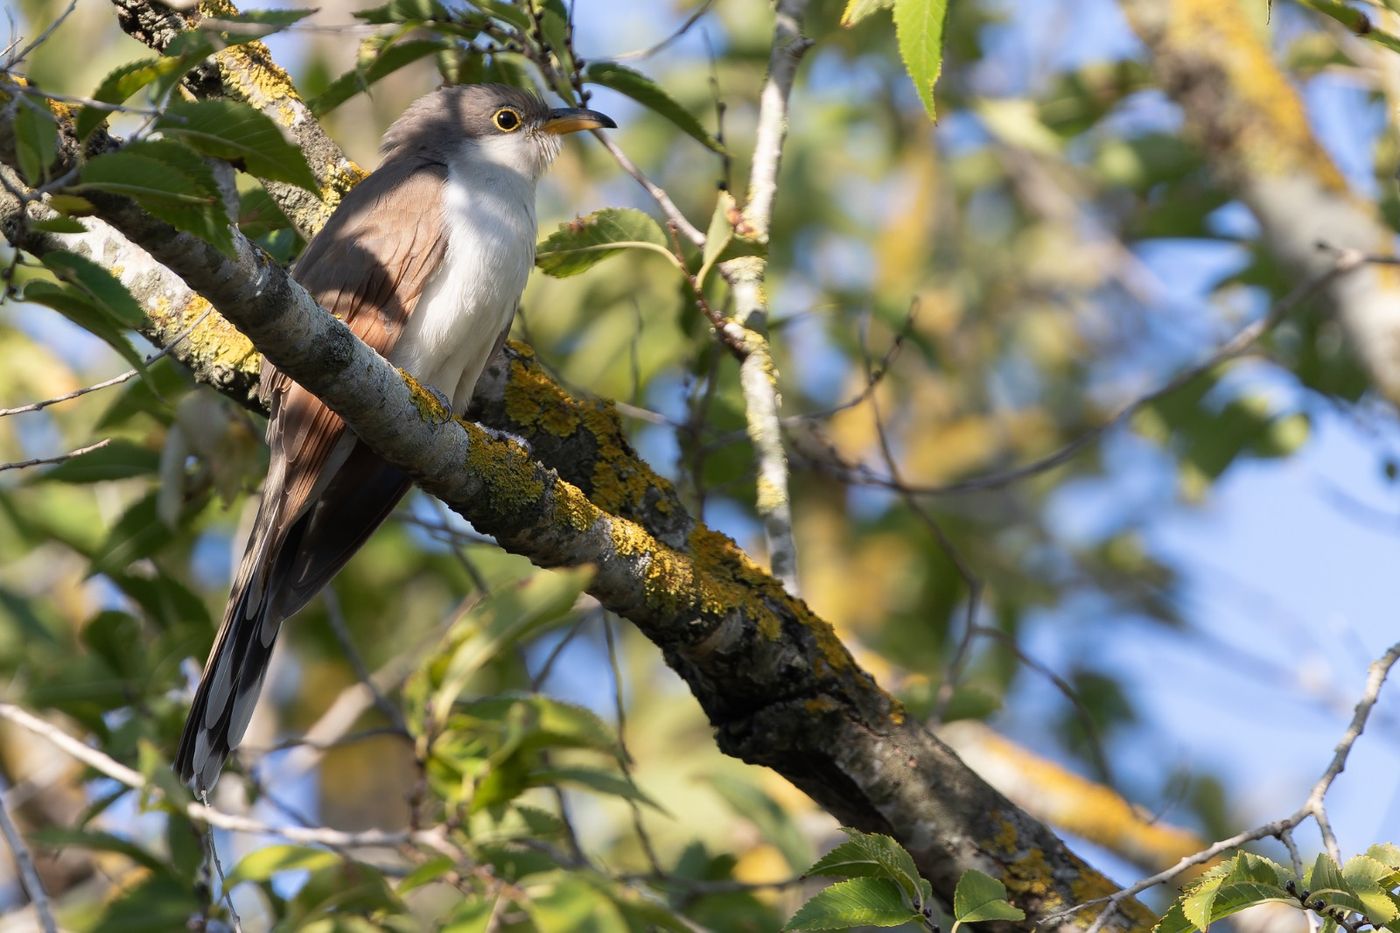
(425, 261)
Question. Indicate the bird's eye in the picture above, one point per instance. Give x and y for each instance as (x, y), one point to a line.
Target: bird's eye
(507, 119)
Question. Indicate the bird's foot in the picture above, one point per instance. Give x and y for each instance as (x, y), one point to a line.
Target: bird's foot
(496, 434)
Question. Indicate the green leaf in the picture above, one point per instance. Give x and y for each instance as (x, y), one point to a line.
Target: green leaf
(1368, 879)
(58, 837)
(382, 63)
(545, 722)
(721, 240)
(170, 181)
(918, 25)
(1231, 887)
(1174, 922)
(875, 854)
(582, 243)
(234, 131)
(102, 286)
(874, 902)
(649, 94)
(603, 782)
(120, 459)
(261, 864)
(773, 822)
(405, 11)
(81, 309)
(59, 224)
(250, 25)
(430, 871)
(857, 10)
(126, 81)
(36, 140)
(982, 897)
(138, 533)
(506, 618)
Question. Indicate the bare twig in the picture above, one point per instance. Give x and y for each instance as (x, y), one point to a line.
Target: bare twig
(33, 886)
(1346, 261)
(59, 458)
(620, 711)
(12, 60)
(115, 380)
(658, 194)
(1282, 829)
(684, 28)
(357, 663)
(435, 838)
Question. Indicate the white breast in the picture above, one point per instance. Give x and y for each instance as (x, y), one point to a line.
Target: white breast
(489, 210)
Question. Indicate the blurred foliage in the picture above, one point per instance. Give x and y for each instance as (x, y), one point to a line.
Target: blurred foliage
(949, 302)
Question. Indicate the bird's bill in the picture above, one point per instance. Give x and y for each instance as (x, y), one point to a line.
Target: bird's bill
(573, 119)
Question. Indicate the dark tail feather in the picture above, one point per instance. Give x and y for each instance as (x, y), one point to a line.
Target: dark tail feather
(275, 579)
(234, 673)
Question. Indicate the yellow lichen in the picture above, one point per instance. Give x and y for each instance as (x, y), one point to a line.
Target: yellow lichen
(430, 407)
(505, 468)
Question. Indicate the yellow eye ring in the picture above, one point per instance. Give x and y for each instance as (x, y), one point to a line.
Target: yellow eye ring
(507, 119)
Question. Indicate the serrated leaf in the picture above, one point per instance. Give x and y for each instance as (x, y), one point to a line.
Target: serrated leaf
(120, 459)
(261, 864)
(873, 854)
(36, 140)
(1220, 899)
(580, 244)
(234, 131)
(1386, 853)
(649, 94)
(101, 285)
(170, 181)
(857, 10)
(981, 897)
(1368, 880)
(918, 26)
(1174, 922)
(858, 902)
(123, 83)
(388, 60)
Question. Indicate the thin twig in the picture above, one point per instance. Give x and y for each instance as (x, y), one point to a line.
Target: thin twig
(59, 458)
(684, 28)
(357, 663)
(103, 763)
(1346, 261)
(13, 60)
(1281, 829)
(33, 886)
(218, 865)
(620, 712)
(115, 380)
(658, 194)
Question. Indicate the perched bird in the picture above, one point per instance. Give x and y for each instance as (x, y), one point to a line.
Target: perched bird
(425, 261)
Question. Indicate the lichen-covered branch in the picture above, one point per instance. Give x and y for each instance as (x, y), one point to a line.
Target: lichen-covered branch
(247, 72)
(779, 687)
(1251, 125)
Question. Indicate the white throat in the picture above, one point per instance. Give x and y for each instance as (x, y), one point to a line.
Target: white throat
(489, 213)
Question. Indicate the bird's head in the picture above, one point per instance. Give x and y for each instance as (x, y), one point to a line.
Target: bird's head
(495, 122)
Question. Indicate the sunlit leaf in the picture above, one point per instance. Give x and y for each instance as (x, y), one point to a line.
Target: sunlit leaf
(919, 27)
(580, 244)
(649, 94)
(232, 130)
(35, 140)
(875, 902)
(981, 897)
(167, 179)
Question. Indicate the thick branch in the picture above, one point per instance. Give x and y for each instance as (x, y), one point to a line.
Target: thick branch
(780, 688)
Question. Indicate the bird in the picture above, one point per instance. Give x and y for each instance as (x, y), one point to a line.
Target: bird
(425, 261)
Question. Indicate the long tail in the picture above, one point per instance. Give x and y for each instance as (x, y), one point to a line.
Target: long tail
(282, 569)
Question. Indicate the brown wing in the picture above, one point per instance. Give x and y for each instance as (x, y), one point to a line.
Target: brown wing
(369, 266)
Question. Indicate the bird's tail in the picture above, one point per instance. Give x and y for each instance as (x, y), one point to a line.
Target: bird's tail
(234, 673)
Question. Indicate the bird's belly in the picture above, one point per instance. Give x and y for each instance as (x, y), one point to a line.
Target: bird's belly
(471, 298)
